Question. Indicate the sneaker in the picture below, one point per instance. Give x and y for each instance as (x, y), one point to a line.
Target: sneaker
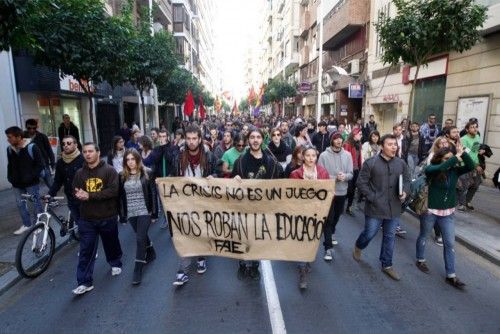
(349, 211)
(334, 241)
(201, 266)
(469, 206)
(81, 289)
(242, 271)
(356, 254)
(389, 271)
(21, 230)
(462, 208)
(303, 278)
(455, 282)
(439, 241)
(180, 279)
(115, 271)
(422, 266)
(328, 255)
(400, 232)
(254, 273)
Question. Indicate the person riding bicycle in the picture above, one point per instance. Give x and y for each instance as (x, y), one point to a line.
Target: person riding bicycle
(66, 167)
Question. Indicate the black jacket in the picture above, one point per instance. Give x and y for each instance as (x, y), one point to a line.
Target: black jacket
(210, 167)
(321, 141)
(42, 141)
(273, 168)
(73, 131)
(149, 191)
(378, 181)
(65, 172)
(22, 170)
(165, 156)
(421, 148)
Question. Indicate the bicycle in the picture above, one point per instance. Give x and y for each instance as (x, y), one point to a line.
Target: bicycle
(36, 248)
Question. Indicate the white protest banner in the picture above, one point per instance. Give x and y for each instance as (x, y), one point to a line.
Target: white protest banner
(278, 219)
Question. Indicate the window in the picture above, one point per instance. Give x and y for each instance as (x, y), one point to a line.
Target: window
(386, 9)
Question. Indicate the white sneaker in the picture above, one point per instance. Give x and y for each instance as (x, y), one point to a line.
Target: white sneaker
(81, 289)
(334, 241)
(21, 230)
(115, 271)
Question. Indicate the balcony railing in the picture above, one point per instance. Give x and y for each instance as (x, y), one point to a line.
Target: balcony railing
(305, 22)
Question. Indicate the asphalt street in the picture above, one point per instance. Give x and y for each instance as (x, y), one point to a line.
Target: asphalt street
(343, 296)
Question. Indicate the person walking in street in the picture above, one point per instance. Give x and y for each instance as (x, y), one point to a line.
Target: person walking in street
(42, 142)
(429, 131)
(231, 155)
(115, 155)
(370, 126)
(286, 136)
(442, 175)
(125, 132)
(371, 147)
(468, 184)
(353, 146)
(308, 171)
(321, 139)
(24, 165)
(68, 128)
(147, 152)
(134, 139)
(279, 149)
(66, 167)
(301, 136)
(379, 182)
(255, 163)
(295, 162)
(452, 135)
(138, 206)
(414, 149)
(224, 145)
(96, 186)
(153, 134)
(338, 164)
(194, 160)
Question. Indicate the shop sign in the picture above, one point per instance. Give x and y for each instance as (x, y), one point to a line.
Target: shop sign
(305, 87)
(69, 83)
(391, 98)
(343, 110)
(356, 91)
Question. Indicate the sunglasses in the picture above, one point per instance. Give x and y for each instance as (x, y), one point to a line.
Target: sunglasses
(67, 143)
(240, 145)
(276, 135)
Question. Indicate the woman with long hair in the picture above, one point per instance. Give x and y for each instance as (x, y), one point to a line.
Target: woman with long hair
(296, 161)
(439, 143)
(371, 147)
(301, 136)
(442, 175)
(138, 206)
(279, 149)
(308, 171)
(146, 149)
(115, 155)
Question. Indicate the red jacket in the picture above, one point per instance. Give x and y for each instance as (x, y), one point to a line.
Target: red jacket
(299, 173)
(356, 163)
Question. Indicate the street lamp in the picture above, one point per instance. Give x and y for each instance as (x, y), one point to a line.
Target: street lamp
(320, 61)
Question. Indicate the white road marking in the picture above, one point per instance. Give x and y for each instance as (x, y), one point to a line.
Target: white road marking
(273, 301)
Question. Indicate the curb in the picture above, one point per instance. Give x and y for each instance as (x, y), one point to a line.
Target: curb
(12, 277)
(469, 245)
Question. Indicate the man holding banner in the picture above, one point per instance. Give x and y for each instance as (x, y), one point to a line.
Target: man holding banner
(194, 160)
(255, 164)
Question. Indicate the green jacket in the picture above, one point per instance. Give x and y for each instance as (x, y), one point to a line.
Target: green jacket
(442, 194)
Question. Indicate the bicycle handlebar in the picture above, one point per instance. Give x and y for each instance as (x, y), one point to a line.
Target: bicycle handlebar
(31, 197)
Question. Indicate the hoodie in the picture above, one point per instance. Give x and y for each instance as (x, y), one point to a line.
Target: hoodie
(335, 162)
(22, 169)
(102, 185)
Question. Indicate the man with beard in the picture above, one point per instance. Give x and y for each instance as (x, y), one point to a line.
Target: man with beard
(286, 136)
(255, 164)
(66, 167)
(452, 134)
(224, 145)
(429, 132)
(194, 160)
(42, 142)
(321, 138)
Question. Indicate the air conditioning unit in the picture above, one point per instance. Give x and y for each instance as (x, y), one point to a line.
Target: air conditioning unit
(353, 67)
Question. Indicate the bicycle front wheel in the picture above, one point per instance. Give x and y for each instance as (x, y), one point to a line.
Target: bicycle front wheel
(33, 254)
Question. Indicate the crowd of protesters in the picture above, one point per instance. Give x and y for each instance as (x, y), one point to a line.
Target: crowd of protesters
(103, 190)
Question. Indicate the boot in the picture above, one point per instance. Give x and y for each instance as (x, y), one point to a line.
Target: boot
(137, 273)
(150, 254)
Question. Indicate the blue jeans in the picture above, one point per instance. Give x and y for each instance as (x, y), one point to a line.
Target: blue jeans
(89, 240)
(412, 164)
(447, 228)
(372, 225)
(22, 205)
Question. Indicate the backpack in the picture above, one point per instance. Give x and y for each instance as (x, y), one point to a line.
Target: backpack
(31, 154)
(417, 199)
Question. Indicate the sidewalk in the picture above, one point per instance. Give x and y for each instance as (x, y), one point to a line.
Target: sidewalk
(11, 221)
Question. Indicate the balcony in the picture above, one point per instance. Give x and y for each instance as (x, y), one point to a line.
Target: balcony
(345, 19)
(304, 56)
(164, 14)
(305, 23)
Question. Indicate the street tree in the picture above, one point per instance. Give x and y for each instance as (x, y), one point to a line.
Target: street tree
(422, 29)
(82, 41)
(13, 14)
(175, 89)
(277, 90)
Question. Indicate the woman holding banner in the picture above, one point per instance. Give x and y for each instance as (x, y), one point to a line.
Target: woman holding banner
(308, 171)
(138, 206)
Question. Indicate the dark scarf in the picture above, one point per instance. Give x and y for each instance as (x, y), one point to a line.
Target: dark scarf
(279, 152)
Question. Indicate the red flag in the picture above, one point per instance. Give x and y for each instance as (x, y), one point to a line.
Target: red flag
(236, 112)
(189, 104)
(252, 96)
(201, 108)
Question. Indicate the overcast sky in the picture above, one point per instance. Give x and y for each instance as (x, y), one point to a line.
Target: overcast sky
(236, 29)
